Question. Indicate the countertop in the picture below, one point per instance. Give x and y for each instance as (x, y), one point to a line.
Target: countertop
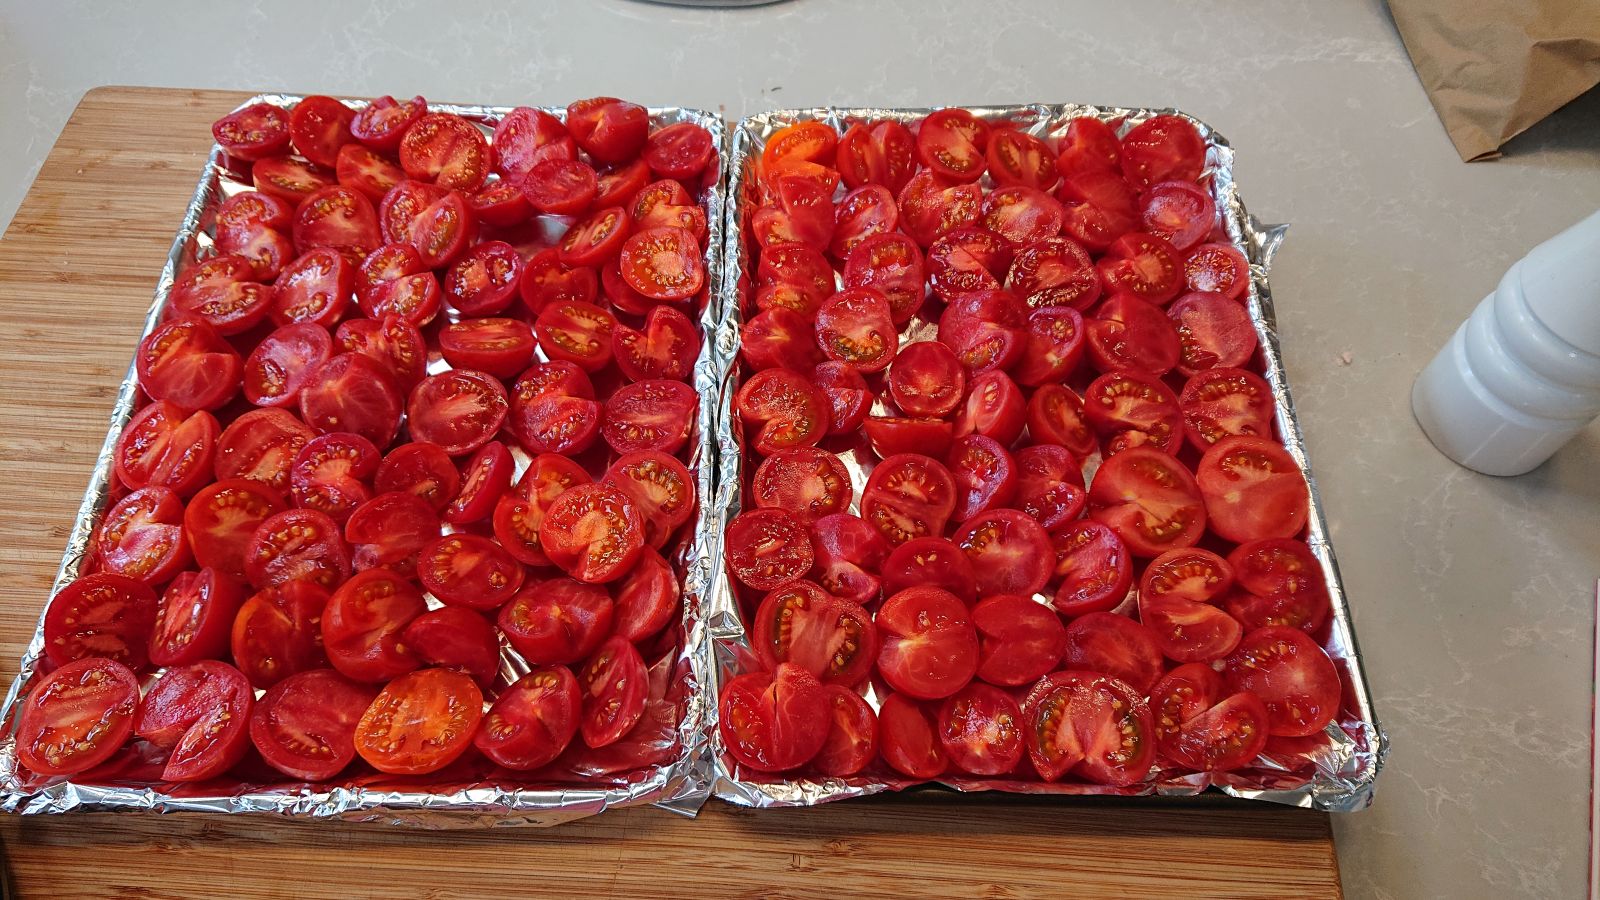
(1472, 596)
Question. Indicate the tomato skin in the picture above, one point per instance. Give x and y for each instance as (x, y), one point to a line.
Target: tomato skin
(908, 738)
(1009, 550)
(774, 721)
(1094, 566)
(804, 625)
(1253, 490)
(613, 539)
(254, 132)
(278, 632)
(1093, 724)
(305, 725)
(142, 536)
(103, 697)
(557, 622)
(195, 619)
(1125, 486)
(1019, 640)
(532, 721)
(1291, 674)
(100, 615)
(852, 741)
(980, 727)
(647, 598)
(930, 562)
(363, 624)
(420, 722)
(928, 646)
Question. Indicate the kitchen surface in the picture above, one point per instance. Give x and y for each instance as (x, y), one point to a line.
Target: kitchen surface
(1473, 597)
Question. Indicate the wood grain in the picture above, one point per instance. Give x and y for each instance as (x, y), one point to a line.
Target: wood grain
(77, 269)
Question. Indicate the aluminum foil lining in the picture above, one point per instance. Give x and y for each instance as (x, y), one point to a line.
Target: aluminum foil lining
(679, 785)
(1335, 773)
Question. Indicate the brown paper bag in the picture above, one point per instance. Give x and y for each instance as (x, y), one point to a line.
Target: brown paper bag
(1495, 67)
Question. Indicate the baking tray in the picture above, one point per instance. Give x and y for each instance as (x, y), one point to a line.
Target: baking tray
(1337, 775)
(458, 796)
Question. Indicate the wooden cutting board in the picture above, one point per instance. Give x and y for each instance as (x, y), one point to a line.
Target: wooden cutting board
(77, 269)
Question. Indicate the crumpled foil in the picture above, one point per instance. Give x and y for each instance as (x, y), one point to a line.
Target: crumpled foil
(451, 798)
(1336, 772)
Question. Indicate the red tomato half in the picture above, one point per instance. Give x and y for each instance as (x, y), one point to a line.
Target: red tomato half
(290, 180)
(532, 721)
(864, 212)
(142, 536)
(981, 729)
(366, 172)
(1192, 573)
(927, 379)
(1163, 148)
(808, 482)
(1129, 335)
(189, 364)
(1056, 415)
(77, 717)
(1180, 212)
(1089, 145)
(849, 554)
(389, 530)
(447, 150)
(165, 446)
(456, 638)
(352, 392)
(846, 394)
(785, 409)
(1218, 403)
(1093, 724)
(255, 132)
(422, 469)
(951, 143)
(908, 738)
(1128, 401)
(1291, 674)
(100, 615)
(661, 488)
(852, 741)
(196, 616)
(420, 722)
(986, 329)
(1019, 640)
(593, 532)
(525, 137)
(1009, 551)
(381, 123)
(484, 480)
(1019, 158)
(222, 292)
(614, 686)
(305, 725)
(929, 645)
(1054, 272)
(1213, 332)
(1189, 631)
(650, 415)
(856, 327)
(608, 129)
(876, 153)
(930, 562)
(908, 496)
(297, 545)
(663, 263)
(1253, 490)
(501, 347)
(774, 721)
(666, 347)
(1050, 486)
(1225, 737)
(931, 206)
(1149, 499)
(278, 632)
(767, 548)
(318, 127)
(557, 622)
(1218, 268)
(1283, 582)
(893, 264)
(802, 624)
(468, 570)
(647, 599)
(363, 624)
(201, 712)
(1094, 566)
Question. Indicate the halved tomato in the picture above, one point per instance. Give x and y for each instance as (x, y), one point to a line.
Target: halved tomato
(767, 548)
(930, 562)
(546, 280)
(1162, 148)
(1218, 403)
(1127, 334)
(186, 362)
(1009, 551)
(526, 136)
(288, 179)
(994, 408)
(614, 685)
(1018, 158)
(666, 347)
(469, 570)
(1093, 724)
(808, 482)
(1056, 416)
(352, 392)
(593, 532)
(1018, 640)
(557, 622)
(894, 435)
(333, 474)
(532, 721)
(1217, 268)
(221, 519)
(876, 153)
(278, 632)
(1291, 674)
(1253, 489)
(608, 129)
(927, 379)
(1149, 499)
(986, 329)
(456, 638)
(142, 536)
(908, 738)
(392, 342)
(1130, 401)
(929, 647)
(560, 187)
(1225, 737)
(784, 409)
(779, 338)
(965, 260)
(852, 741)
(596, 238)
(422, 469)
(200, 712)
(297, 545)
(908, 496)
(500, 347)
(163, 445)
(305, 725)
(802, 624)
(100, 615)
(931, 206)
(1054, 272)
(1213, 332)
(363, 625)
(650, 415)
(1282, 582)
(855, 326)
(849, 554)
(864, 212)
(460, 410)
(484, 479)
(1050, 485)
(1094, 566)
(1192, 573)
(77, 717)
(663, 263)
(661, 488)
(1023, 216)
(366, 172)
(647, 599)
(980, 727)
(985, 475)
(389, 530)
(892, 263)
(484, 280)
(196, 616)
(951, 143)
(381, 123)
(1180, 212)
(1189, 631)
(774, 721)
(846, 393)
(318, 126)
(254, 132)
(446, 150)
(420, 722)
(1088, 145)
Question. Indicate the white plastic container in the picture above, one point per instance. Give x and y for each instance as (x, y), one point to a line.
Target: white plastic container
(1521, 376)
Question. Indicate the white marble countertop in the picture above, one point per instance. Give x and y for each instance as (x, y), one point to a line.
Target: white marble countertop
(1473, 596)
